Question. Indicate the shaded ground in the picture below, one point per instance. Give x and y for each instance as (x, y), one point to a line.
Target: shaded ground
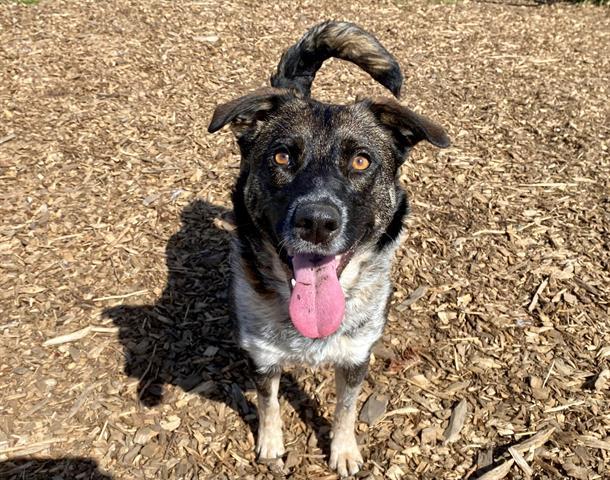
(112, 216)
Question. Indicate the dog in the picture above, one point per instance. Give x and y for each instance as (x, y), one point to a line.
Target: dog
(319, 212)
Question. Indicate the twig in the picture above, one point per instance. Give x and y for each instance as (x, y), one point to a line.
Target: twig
(70, 337)
(534, 301)
(7, 138)
(489, 232)
(400, 411)
(42, 443)
(519, 460)
(78, 335)
(499, 472)
(549, 184)
(548, 374)
(117, 297)
(564, 407)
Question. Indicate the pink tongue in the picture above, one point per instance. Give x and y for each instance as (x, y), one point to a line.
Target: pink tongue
(317, 303)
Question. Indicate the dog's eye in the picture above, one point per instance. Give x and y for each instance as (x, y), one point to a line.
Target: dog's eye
(282, 158)
(360, 163)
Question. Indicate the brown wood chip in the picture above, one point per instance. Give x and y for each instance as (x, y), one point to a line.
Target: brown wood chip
(535, 441)
(499, 472)
(456, 422)
(373, 409)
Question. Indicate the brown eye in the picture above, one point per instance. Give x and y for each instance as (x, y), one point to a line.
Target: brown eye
(282, 158)
(360, 163)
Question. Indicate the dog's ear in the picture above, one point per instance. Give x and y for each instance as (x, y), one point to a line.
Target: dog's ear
(243, 113)
(408, 127)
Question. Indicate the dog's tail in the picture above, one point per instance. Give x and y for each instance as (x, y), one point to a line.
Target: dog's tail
(299, 64)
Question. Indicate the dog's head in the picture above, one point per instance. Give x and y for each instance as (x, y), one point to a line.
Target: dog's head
(320, 180)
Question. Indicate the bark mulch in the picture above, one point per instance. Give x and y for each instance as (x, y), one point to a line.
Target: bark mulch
(116, 356)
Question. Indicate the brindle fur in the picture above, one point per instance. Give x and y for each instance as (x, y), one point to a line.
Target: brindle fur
(299, 64)
(321, 140)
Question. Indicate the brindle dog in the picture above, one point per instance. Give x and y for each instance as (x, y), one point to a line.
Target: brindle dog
(319, 212)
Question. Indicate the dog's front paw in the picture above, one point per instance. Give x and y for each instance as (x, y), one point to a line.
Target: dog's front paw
(270, 444)
(345, 456)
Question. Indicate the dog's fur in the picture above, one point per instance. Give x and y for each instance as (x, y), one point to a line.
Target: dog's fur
(320, 139)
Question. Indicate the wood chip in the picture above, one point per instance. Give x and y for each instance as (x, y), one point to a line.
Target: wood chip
(499, 472)
(70, 337)
(170, 423)
(292, 460)
(207, 38)
(535, 441)
(210, 351)
(603, 380)
(417, 294)
(28, 446)
(373, 409)
(565, 406)
(144, 435)
(78, 335)
(538, 390)
(520, 461)
(456, 422)
(574, 471)
(401, 411)
(395, 473)
(603, 352)
(429, 435)
(539, 290)
(485, 458)
(594, 442)
(7, 138)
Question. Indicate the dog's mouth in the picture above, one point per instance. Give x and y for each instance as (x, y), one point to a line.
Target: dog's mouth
(317, 301)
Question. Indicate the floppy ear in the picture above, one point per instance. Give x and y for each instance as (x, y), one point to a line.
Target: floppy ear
(243, 113)
(408, 127)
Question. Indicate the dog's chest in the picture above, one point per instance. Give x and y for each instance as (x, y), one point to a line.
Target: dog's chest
(265, 329)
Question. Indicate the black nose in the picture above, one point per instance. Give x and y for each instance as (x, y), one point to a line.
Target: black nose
(316, 222)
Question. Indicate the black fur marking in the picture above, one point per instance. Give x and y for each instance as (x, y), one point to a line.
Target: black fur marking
(396, 224)
(249, 234)
(408, 127)
(262, 378)
(354, 374)
(244, 111)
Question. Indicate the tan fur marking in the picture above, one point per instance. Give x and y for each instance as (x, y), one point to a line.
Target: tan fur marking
(345, 456)
(270, 442)
(351, 42)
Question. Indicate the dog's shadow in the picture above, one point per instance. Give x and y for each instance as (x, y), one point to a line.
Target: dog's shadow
(187, 338)
(51, 468)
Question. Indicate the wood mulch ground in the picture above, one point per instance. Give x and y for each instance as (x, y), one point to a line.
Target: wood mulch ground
(116, 357)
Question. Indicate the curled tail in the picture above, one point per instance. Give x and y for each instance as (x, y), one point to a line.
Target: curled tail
(346, 41)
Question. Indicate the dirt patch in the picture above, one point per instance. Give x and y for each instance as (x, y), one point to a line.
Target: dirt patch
(113, 231)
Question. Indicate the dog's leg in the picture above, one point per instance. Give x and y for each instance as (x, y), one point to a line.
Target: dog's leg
(270, 442)
(344, 453)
